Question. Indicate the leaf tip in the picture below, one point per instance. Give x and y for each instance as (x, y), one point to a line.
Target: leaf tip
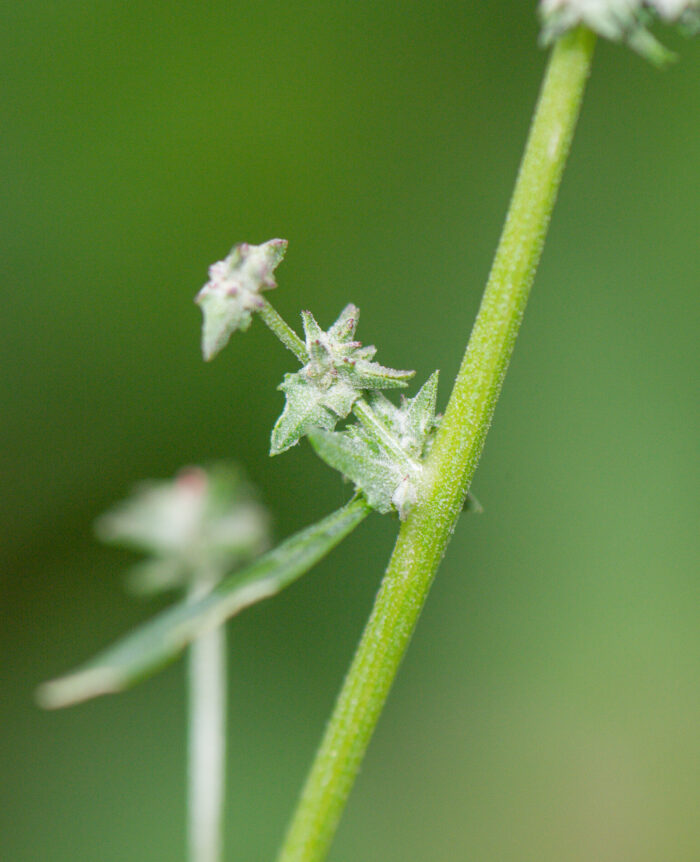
(77, 687)
(279, 443)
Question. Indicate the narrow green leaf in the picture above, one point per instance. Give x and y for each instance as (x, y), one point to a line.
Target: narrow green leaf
(153, 645)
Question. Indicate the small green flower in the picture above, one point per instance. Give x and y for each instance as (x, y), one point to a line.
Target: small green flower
(620, 21)
(232, 293)
(203, 522)
(383, 455)
(339, 370)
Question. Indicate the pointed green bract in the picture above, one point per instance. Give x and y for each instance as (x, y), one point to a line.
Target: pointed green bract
(382, 456)
(309, 406)
(414, 422)
(153, 645)
(200, 521)
(232, 294)
(339, 370)
(620, 21)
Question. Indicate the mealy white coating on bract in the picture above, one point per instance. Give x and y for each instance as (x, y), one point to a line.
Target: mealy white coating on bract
(337, 374)
(232, 294)
(383, 454)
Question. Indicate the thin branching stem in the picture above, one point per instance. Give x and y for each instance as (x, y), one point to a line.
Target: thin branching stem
(279, 326)
(448, 472)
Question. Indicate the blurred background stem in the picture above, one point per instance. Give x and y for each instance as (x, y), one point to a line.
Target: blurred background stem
(207, 738)
(424, 535)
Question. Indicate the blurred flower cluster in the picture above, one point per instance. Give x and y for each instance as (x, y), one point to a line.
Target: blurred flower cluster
(198, 526)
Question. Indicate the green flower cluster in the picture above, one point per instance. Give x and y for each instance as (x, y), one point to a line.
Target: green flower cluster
(383, 453)
(337, 374)
(620, 21)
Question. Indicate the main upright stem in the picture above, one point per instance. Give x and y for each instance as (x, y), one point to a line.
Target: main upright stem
(424, 535)
(207, 740)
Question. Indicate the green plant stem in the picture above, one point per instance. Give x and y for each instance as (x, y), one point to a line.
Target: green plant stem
(279, 326)
(423, 537)
(206, 766)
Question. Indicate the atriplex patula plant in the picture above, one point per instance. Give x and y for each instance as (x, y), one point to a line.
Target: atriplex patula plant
(401, 459)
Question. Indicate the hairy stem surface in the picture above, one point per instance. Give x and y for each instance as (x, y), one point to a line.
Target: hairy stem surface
(424, 535)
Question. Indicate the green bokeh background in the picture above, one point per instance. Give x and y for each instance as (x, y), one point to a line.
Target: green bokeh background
(550, 704)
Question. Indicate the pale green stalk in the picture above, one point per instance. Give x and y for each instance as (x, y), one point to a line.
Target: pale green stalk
(424, 535)
(279, 326)
(206, 767)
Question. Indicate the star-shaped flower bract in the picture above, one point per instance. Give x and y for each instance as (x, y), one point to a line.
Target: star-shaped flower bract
(339, 370)
(232, 293)
(383, 455)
